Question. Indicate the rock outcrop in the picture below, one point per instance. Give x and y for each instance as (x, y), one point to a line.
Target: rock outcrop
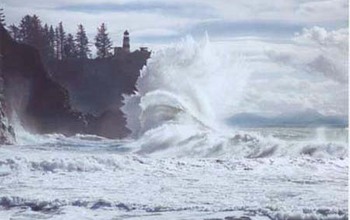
(68, 96)
(7, 135)
(96, 87)
(41, 104)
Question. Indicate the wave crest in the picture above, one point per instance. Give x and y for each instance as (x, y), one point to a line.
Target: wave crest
(183, 95)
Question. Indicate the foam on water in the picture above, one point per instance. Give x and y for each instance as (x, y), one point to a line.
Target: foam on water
(63, 184)
(183, 163)
(188, 82)
(183, 95)
(25, 137)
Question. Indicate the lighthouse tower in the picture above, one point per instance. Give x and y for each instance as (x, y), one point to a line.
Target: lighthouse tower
(126, 42)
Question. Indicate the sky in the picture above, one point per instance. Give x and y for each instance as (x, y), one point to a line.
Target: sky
(298, 49)
(163, 21)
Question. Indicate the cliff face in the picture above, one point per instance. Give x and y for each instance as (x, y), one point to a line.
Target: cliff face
(96, 88)
(70, 96)
(7, 135)
(41, 104)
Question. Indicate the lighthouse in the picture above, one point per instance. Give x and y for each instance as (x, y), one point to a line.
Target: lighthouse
(126, 42)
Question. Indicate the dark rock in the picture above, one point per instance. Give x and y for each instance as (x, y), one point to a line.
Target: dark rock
(70, 96)
(41, 104)
(237, 218)
(323, 211)
(7, 135)
(5, 202)
(123, 206)
(80, 203)
(101, 204)
(96, 87)
(110, 124)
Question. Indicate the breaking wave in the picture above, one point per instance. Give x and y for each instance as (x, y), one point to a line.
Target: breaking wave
(49, 207)
(188, 83)
(183, 97)
(184, 94)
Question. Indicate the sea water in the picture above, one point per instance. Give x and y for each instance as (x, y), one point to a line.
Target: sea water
(181, 160)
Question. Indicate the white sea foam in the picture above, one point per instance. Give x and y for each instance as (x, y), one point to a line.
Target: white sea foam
(182, 162)
(63, 184)
(185, 92)
(190, 80)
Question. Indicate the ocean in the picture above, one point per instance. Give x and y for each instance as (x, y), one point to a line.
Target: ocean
(181, 161)
(303, 176)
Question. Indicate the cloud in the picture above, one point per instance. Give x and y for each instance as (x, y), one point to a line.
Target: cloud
(290, 73)
(321, 37)
(286, 11)
(222, 28)
(154, 35)
(292, 94)
(155, 32)
(135, 17)
(166, 8)
(219, 17)
(326, 53)
(316, 10)
(290, 76)
(116, 22)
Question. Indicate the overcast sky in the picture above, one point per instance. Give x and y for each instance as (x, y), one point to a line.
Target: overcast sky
(297, 49)
(162, 21)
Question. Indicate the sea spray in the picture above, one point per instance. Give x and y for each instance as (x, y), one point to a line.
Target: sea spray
(182, 97)
(25, 137)
(189, 82)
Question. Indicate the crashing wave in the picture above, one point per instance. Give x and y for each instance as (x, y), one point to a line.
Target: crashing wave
(49, 207)
(185, 92)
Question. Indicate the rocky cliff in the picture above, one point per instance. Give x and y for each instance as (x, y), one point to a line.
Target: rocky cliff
(70, 96)
(7, 135)
(41, 104)
(96, 87)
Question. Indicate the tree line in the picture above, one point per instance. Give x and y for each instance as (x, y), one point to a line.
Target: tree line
(55, 43)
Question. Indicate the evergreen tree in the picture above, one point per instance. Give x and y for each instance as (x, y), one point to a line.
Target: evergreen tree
(83, 50)
(51, 41)
(45, 32)
(103, 42)
(48, 50)
(2, 17)
(15, 32)
(61, 40)
(70, 49)
(25, 28)
(57, 44)
(31, 31)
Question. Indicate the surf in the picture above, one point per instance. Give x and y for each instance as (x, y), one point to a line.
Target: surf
(183, 96)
